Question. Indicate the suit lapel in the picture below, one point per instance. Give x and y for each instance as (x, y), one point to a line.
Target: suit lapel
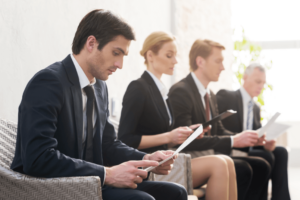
(156, 95)
(212, 106)
(171, 113)
(77, 99)
(196, 94)
(240, 108)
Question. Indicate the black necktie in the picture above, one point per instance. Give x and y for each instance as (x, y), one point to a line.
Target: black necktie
(88, 155)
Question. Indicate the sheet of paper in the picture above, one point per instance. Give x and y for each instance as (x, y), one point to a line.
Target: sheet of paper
(275, 130)
(264, 129)
(182, 146)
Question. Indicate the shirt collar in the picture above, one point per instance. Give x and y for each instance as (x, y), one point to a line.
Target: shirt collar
(83, 80)
(161, 87)
(246, 97)
(200, 86)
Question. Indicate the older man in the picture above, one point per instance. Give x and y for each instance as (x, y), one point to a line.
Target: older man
(248, 118)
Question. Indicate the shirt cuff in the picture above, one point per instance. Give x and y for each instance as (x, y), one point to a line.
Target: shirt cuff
(104, 175)
(231, 141)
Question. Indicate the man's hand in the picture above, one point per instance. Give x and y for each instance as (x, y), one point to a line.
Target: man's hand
(270, 145)
(245, 139)
(164, 168)
(261, 141)
(179, 135)
(127, 174)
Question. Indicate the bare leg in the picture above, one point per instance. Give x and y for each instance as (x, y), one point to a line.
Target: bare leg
(212, 170)
(232, 177)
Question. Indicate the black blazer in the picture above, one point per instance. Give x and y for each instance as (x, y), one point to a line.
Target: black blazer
(50, 125)
(188, 109)
(233, 100)
(143, 113)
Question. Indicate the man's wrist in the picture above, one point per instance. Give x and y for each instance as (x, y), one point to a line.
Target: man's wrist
(233, 139)
(146, 157)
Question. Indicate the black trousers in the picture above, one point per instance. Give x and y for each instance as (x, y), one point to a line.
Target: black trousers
(252, 174)
(147, 190)
(278, 160)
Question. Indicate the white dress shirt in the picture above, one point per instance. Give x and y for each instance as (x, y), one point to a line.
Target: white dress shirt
(84, 81)
(163, 91)
(202, 90)
(246, 99)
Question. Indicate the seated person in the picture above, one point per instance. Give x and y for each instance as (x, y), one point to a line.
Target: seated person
(147, 119)
(194, 103)
(248, 118)
(63, 127)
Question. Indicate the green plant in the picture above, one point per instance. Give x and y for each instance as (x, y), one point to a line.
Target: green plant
(246, 52)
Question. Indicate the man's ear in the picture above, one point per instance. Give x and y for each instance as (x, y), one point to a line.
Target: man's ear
(91, 43)
(245, 76)
(200, 62)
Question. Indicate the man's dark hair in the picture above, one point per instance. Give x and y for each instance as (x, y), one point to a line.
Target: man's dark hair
(104, 26)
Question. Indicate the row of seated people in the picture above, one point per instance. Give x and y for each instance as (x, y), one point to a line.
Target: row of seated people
(154, 119)
(63, 126)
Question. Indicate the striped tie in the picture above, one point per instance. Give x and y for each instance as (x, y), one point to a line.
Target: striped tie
(249, 121)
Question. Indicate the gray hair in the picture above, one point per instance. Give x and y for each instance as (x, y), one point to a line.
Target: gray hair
(253, 66)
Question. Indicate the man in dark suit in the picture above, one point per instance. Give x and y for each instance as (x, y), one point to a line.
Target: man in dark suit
(63, 126)
(194, 103)
(248, 118)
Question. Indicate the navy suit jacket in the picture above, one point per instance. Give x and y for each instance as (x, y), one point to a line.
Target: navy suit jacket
(233, 100)
(50, 126)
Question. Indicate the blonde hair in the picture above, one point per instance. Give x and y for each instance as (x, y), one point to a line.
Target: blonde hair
(154, 42)
(202, 48)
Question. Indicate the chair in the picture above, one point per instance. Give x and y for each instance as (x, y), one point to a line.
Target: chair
(14, 185)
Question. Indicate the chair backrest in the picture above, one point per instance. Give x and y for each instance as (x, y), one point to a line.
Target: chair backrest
(8, 137)
(181, 173)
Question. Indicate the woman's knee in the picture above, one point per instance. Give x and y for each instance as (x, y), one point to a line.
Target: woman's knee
(220, 163)
(228, 160)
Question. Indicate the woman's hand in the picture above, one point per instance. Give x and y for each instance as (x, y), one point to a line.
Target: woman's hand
(179, 135)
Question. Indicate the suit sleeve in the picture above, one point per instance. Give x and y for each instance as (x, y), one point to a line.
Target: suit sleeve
(133, 108)
(38, 115)
(182, 107)
(116, 152)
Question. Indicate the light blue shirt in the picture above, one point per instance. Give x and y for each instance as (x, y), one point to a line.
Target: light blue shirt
(246, 99)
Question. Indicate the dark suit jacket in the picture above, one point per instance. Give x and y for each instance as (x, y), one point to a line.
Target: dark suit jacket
(188, 109)
(50, 125)
(143, 113)
(233, 100)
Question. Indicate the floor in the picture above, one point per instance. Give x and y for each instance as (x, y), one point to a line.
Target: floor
(294, 183)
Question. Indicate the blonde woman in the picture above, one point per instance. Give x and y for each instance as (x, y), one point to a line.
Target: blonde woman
(147, 123)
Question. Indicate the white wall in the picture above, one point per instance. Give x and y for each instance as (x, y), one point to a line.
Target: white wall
(36, 33)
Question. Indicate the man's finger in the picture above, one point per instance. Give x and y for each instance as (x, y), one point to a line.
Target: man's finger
(143, 163)
(141, 173)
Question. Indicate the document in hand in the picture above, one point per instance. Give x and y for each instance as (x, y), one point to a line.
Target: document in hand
(275, 130)
(182, 146)
(264, 129)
